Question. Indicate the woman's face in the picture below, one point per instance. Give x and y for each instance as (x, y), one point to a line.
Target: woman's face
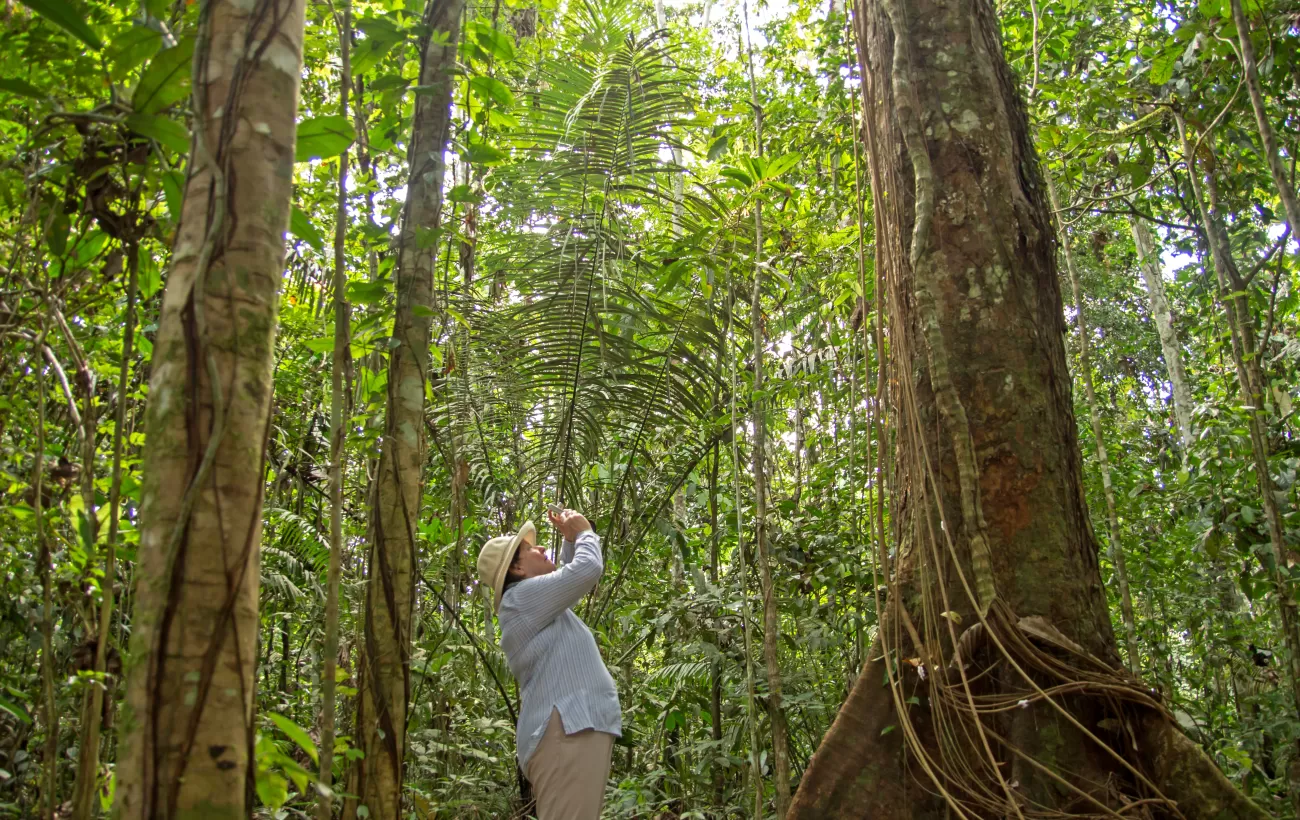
(531, 561)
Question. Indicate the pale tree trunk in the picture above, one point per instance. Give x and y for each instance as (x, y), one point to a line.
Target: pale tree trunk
(188, 727)
(989, 513)
(385, 673)
(1234, 297)
(1149, 264)
(1099, 439)
(1267, 138)
(679, 180)
(339, 413)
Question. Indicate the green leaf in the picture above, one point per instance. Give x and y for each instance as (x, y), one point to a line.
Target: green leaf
(1162, 68)
(62, 14)
(15, 709)
(295, 733)
(463, 193)
(174, 190)
(387, 83)
(22, 88)
(57, 236)
(166, 131)
(496, 43)
(130, 49)
(719, 147)
(366, 293)
(150, 283)
(739, 176)
(492, 91)
(166, 80)
(481, 152)
(323, 137)
(321, 344)
(300, 225)
(781, 164)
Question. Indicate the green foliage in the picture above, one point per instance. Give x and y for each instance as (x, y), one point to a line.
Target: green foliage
(602, 181)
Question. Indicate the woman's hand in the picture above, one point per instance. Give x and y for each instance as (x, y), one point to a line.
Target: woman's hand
(570, 523)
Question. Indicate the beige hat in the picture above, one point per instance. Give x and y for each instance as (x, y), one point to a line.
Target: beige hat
(495, 557)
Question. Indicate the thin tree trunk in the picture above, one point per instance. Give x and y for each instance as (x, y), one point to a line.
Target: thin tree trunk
(1099, 439)
(1149, 264)
(188, 733)
(715, 670)
(771, 617)
(398, 487)
(50, 752)
(989, 514)
(339, 412)
(1266, 136)
(1233, 296)
(742, 574)
(87, 764)
(98, 696)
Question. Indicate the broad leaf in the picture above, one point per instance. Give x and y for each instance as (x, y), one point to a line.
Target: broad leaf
(165, 130)
(130, 49)
(492, 91)
(295, 733)
(166, 80)
(13, 85)
(300, 225)
(62, 14)
(323, 137)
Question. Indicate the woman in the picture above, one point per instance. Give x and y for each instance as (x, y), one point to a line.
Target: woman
(568, 712)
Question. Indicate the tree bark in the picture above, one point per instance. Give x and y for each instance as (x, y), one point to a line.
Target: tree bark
(992, 532)
(339, 413)
(188, 727)
(1149, 264)
(385, 673)
(1290, 205)
(1099, 439)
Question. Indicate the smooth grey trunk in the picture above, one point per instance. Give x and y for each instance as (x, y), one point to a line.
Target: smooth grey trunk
(1149, 265)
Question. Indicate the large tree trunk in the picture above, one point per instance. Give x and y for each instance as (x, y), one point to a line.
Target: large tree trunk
(397, 490)
(993, 541)
(188, 729)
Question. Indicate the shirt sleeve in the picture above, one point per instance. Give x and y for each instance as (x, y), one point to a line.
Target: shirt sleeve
(566, 552)
(540, 600)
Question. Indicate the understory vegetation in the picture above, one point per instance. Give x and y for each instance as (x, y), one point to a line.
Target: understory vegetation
(630, 257)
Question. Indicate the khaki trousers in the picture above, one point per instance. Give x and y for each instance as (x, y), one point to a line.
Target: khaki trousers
(568, 772)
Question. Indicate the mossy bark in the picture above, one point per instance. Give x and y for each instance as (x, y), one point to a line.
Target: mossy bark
(982, 407)
(188, 728)
(385, 657)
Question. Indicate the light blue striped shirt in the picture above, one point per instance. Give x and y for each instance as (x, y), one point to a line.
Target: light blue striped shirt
(553, 654)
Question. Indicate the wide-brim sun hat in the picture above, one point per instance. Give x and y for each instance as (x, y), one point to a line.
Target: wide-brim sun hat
(495, 557)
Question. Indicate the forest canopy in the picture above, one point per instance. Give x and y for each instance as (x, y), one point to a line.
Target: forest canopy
(928, 368)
